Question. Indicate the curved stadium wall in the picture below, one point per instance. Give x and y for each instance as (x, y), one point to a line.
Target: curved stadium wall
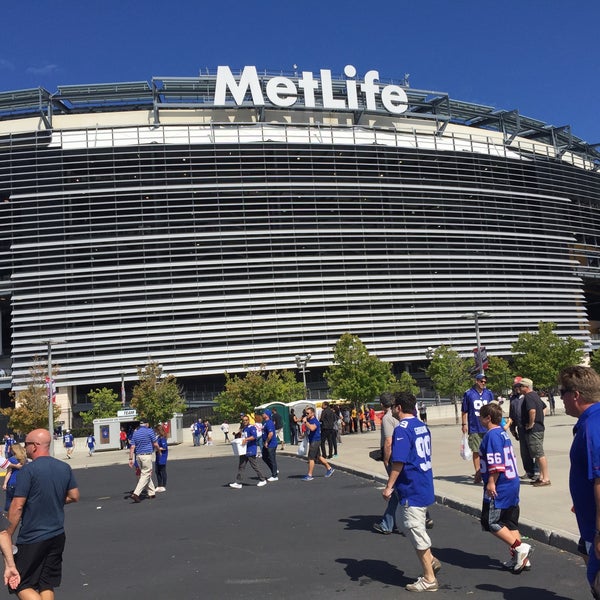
(218, 239)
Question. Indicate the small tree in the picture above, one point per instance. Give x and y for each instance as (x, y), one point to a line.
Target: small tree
(542, 355)
(499, 376)
(595, 361)
(449, 374)
(156, 398)
(356, 375)
(405, 383)
(105, 403)
(31, 404)
(243, 393)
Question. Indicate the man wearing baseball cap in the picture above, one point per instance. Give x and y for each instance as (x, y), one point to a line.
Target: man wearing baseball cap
(517, 428)
(473, 400)
(532, 416)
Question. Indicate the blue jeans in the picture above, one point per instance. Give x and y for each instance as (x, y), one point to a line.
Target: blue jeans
(388, 520)
(268, 455)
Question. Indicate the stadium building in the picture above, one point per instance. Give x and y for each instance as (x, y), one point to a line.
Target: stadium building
(231, 220)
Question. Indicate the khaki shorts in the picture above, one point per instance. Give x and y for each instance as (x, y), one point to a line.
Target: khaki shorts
(475, 442)
(413, 520)
(535, 443)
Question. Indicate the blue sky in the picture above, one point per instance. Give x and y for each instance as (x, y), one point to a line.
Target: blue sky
(538, 56)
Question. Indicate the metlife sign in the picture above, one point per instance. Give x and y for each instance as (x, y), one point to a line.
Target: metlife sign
(309, 91)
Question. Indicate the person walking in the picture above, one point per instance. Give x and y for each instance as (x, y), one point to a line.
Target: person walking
(91, 444)
(532, 416)
(225, 431)
(580, 391)
(293, 428)
(69, 442)
(197, 431)
(160, 462)
(249, 438)
(501, 486)
(269, 441)
(313, 428)
(372, 419)
(327, 421)
(473, 399)
(278, 421)
(388, 426)
(143, 444)
(411, 477)
(43, 488)
(18, 459)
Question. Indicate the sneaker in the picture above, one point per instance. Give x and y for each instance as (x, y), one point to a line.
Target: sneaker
(436, 565)
(329, 472)
(510, 564)
(307, 478)
(334, 456)
(380, 529)
(235, 485)
(273, 479)
(420, 585)
(261, 483)
(161, 489)
(522, 553)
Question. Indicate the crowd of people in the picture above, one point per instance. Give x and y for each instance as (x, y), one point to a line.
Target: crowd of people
(406, 451)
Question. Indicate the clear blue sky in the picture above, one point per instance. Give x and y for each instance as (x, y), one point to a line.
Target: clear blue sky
(538, 56)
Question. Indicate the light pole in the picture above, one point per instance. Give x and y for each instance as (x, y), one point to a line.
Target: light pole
(50, 387)
(302, 361)
(476, 315)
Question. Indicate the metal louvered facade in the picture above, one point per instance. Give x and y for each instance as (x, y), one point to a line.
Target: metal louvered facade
(216, 239)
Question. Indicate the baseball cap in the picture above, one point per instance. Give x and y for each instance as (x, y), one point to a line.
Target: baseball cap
(526, 382)
(480, 376)
(268, 413)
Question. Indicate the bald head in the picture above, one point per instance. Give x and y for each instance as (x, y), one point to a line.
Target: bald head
(37, 443)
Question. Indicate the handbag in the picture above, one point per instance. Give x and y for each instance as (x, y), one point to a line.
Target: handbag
(465, 452)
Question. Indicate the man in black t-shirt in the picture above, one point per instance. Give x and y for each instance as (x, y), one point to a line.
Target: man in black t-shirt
(532, 417)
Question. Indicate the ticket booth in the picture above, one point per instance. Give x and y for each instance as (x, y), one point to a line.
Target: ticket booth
(107, 431)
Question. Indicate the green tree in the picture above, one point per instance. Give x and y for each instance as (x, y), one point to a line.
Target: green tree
(595, 361)
(31, 404)
(449, 374)
(541, 355)
(243, 393)
(156, 397)
(405, 383)
(356, 375)
(499, 375)
(105, 403)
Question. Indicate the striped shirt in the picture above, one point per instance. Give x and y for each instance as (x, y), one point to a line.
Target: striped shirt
(143, 440)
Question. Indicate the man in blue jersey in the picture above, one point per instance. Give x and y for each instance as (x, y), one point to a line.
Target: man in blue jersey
(313, 428)
(473, 400)
(411, 477)
(269, 439)
(143, 445)
(580, 391)
(69, 442)
(249, 437)
(43, 488)
(501, 486)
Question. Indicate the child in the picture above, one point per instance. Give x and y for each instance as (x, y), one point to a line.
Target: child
(500, 510)
(91, 444)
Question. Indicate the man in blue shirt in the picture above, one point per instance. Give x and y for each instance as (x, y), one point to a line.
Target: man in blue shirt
(143, 444)
(473, 400)
(411, 477)
(501, 486)
(249, 437)
(580, 391)
(69, 442)
(43, 488)
(313, 428)
(269, 440)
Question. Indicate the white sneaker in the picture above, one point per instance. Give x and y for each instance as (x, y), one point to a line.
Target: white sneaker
(421, 585)
(273, 479)
(235, 485)
(261, 483)
(522, 553)
(161, 489)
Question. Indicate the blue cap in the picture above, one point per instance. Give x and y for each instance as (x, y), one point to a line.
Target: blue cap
(268, 413)
(480, 376)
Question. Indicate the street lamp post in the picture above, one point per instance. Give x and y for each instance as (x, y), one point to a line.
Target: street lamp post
(476, 315)
(50, 394)
(302, 361)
